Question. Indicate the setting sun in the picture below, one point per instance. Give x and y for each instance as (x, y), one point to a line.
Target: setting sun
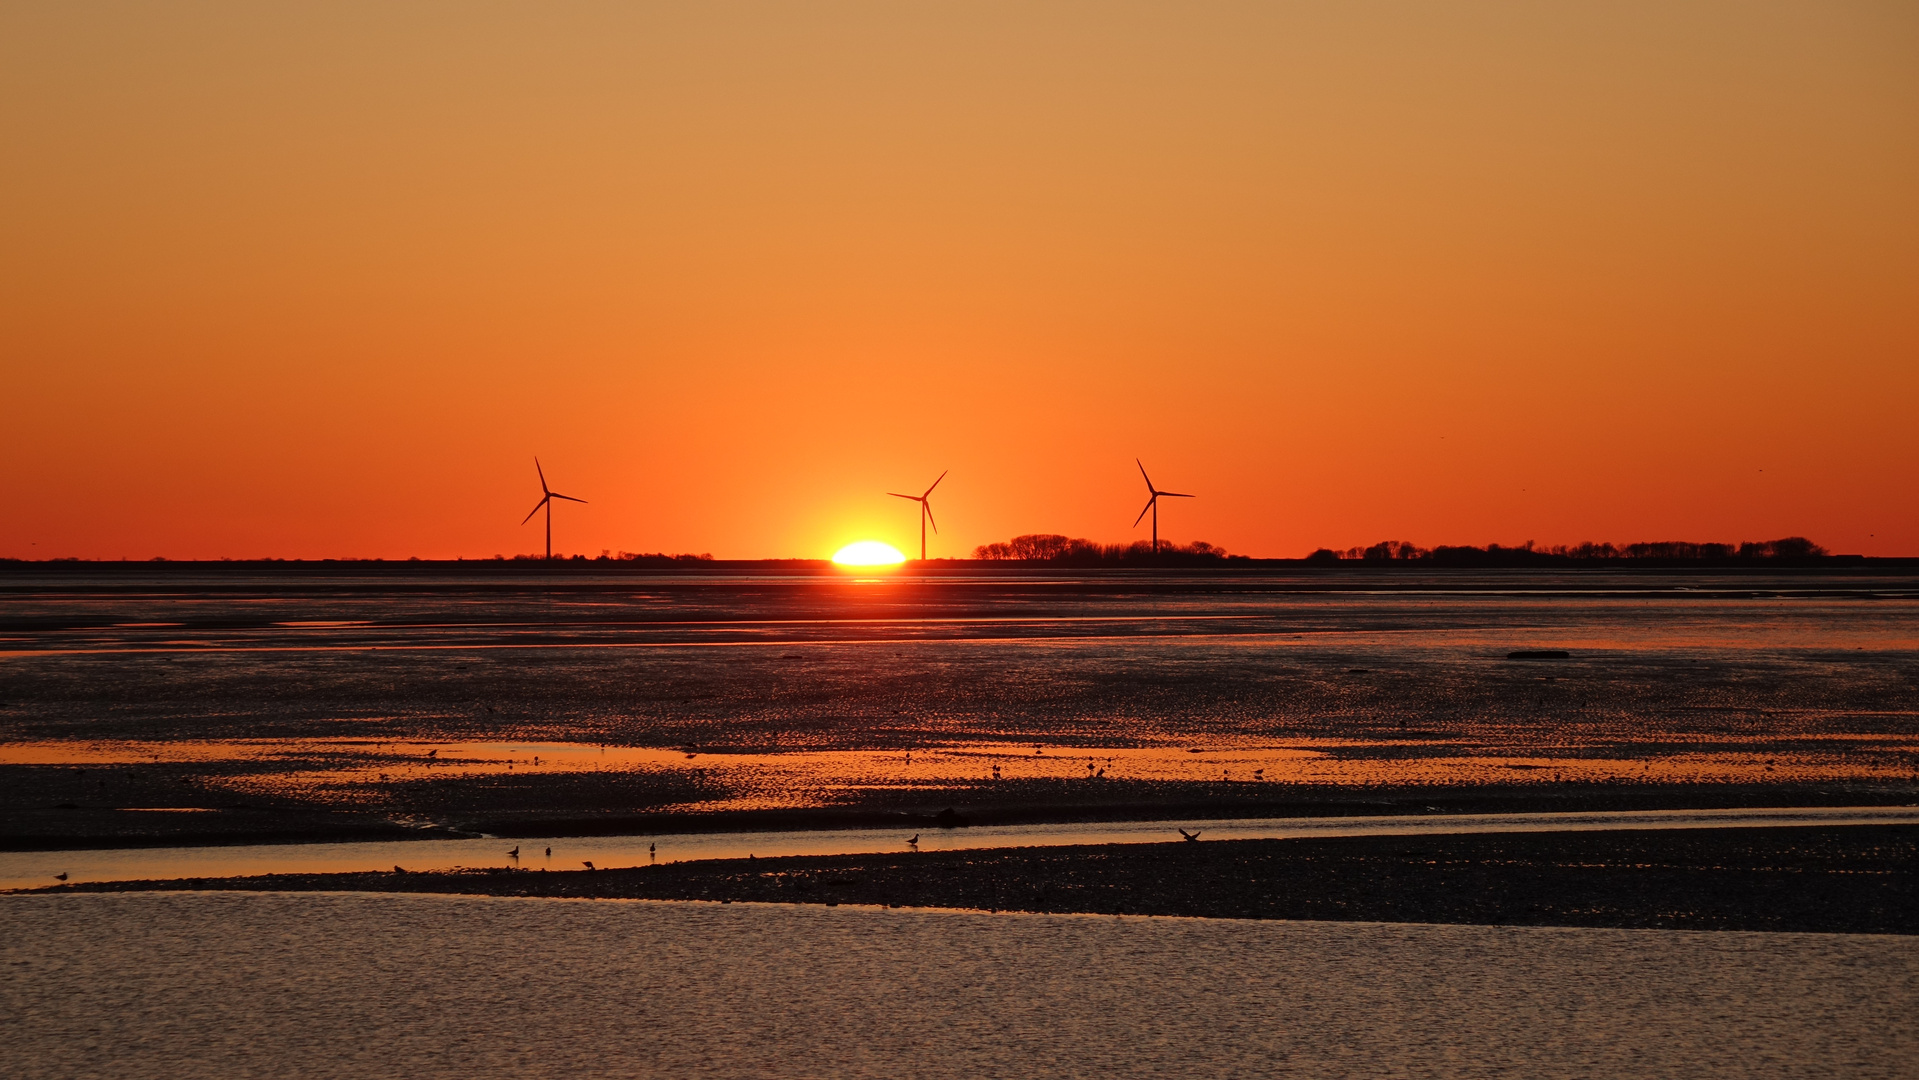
(868, 553)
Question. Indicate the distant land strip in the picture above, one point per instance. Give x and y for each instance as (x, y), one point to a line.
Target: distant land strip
(1442, 558)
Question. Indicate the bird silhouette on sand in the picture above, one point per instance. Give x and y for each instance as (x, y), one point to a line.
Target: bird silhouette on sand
(1191, 837)
(915, 841)
(588, 865)
(61, 876)
(514, 854)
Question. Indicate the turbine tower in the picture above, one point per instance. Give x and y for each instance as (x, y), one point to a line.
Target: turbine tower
(547, 495)
(1152, 504)
(926, 511)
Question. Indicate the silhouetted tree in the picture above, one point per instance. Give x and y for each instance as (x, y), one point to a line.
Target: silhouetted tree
(1792, 547)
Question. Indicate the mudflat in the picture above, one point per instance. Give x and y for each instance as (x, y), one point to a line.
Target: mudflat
(251, 703)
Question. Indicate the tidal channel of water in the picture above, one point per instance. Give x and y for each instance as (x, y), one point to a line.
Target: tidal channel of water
(28, 869)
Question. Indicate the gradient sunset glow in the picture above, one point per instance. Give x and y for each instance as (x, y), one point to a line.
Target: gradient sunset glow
(320, 281)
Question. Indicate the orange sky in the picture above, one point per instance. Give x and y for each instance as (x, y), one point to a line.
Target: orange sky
(319, 280)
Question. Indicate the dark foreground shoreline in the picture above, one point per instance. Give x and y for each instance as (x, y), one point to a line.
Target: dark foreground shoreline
(1851, 879)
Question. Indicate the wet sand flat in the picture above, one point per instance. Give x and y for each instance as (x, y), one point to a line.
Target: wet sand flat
(191, 985)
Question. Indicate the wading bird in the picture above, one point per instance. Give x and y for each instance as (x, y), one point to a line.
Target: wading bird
(1152, 503)
(915, 841)
(1191, 837)
(547, 495)
(514, 854)
(926, 511)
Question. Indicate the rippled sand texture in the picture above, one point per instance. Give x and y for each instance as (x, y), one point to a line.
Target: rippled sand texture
(807, 689)
(204, 985)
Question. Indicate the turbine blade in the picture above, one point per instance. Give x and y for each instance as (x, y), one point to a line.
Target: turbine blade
(936, 483)
(568, 498)
(1176, 494)
(1149, 506)
(536, 468)
(1142, 472)
(897, 495)
(535, 510)
(928, 507)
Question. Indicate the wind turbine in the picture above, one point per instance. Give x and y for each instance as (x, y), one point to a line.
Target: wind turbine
(1153, 504)
(926, 511)
(547, 495)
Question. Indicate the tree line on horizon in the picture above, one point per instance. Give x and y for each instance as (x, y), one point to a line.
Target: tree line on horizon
(1053, 547)
(1791, 547)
